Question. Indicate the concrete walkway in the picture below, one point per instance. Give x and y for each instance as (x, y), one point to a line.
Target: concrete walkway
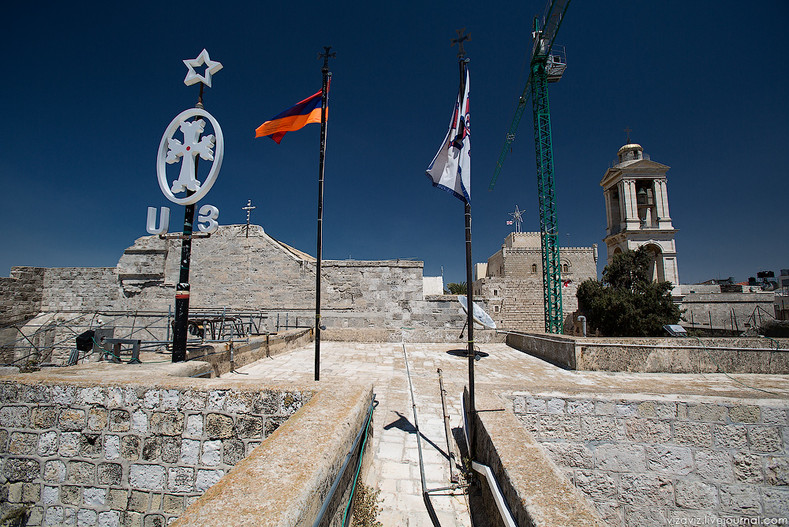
(395, 469)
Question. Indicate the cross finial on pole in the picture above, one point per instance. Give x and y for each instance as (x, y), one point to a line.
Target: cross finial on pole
(326, 56)
(249, 208)
(462, 37)
(627, 131)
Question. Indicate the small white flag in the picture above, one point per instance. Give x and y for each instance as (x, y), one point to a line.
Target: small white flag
(450, 170)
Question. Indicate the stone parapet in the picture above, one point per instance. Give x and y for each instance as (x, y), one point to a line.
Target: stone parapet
(661, 460)
(122, 451)
(658, 355)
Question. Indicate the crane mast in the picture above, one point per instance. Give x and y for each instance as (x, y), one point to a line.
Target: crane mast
(545, 67)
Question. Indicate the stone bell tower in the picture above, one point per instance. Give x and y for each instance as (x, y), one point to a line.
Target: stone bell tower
(636, 206)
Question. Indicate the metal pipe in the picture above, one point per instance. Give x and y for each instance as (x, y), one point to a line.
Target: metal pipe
(450, 452)
(501, 504)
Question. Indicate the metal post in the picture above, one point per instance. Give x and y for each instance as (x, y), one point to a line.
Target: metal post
(182, 288)
(324, 105)
(470, 321)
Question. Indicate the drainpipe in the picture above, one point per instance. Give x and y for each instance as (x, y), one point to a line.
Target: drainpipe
(583, 322)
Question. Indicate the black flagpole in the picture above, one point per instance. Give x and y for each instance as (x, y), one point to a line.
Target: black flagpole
(182, 288)
(324, 105)
(469, 299)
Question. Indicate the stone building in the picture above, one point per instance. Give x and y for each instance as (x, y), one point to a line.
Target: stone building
(361, 300)
(636, 206)
(511, 281)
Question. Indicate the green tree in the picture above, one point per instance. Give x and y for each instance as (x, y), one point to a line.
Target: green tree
(455, 289)
(626, 302)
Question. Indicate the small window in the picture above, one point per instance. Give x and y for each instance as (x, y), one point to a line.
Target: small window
(533, 268)
(495, 292)
(496, 309)
(565, 268)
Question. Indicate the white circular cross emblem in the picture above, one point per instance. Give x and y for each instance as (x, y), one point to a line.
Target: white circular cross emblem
(172, 151)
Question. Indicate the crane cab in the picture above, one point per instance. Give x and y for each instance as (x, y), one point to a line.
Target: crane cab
(555, 64)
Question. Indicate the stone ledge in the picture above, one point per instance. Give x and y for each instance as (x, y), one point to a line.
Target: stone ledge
(284, 480)
(535, 489)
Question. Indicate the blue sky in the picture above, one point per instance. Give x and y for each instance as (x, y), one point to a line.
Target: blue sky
(89, 88)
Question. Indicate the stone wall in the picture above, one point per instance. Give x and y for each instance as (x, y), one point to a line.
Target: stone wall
(726, 311)
(20, 300)
(654, 460)
(658, 355)
(130, 455)
(513, 283)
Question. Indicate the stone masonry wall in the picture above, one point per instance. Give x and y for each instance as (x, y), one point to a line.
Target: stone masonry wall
(649, 461)
(129, 456)
(731, 311)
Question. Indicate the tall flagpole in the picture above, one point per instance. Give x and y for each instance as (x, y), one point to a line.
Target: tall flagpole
(324, 105)
(471, 409)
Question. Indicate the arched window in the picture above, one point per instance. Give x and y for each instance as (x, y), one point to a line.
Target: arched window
(533, 268)
(565, 268)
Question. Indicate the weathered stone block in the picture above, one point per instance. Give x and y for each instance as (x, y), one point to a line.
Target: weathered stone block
(206, 478)
(774, 416)
(747, 467)
(646, 489)
(170, 399)
(731, 436)
(87, 517)
(23, 443)
(81, 472)
(764, 439)
(94, 497)
(31, 492)
(70, 495)
(151, 399)
(171, 449)
(744, 414)
(173, 504)
(714, 465)
(147, 477)
(168, 423)
(211, 454)
(180, 479)
(22, 469)
(570, 454)
(97, 418)
(153, 520)
(130, 447)
(695, 495)
(193, 400)
(292, 401)
(14, 416)
(44, 417)
(248, 427)
(69, 444)
(54, 471)
(131, 519)
(92, 395)
(216, 399)
(152, 448)
(112, 447)
(239, 403)
(110, 473)
(119, 421)
(218, 426)
(54, 516)
(109, 519)
(117, 499)
(582, 407)
(190, 451)
(232, 451)
(707, 412)
(194, 426)
(90, 445)
(47, 444)
(741, 499)
(72, 419)
(669, 459)
(776, 471)
(775, 500)
(620, 458)
(138, 501)
(599, 486)
(600, 428)
(694, 434)
(647, 430)
(139, 421)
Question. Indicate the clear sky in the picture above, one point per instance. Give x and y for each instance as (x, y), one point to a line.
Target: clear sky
(89, 87)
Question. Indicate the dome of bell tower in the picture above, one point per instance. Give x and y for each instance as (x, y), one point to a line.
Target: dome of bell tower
(630, 152)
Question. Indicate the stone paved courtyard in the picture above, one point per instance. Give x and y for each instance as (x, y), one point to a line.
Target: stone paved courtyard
(395, 469)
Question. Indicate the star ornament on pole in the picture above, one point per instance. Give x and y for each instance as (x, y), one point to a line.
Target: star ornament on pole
(211, 67)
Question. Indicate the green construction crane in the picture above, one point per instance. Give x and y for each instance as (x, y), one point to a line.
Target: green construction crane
(546, 66)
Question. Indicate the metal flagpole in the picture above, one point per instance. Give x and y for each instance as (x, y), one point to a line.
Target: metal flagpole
(182, 288)
(471, 409)
(324, 105)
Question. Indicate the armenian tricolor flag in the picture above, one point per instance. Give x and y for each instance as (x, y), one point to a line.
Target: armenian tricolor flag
(294, 118)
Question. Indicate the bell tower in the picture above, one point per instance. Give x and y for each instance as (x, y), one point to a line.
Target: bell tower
(636, 206)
